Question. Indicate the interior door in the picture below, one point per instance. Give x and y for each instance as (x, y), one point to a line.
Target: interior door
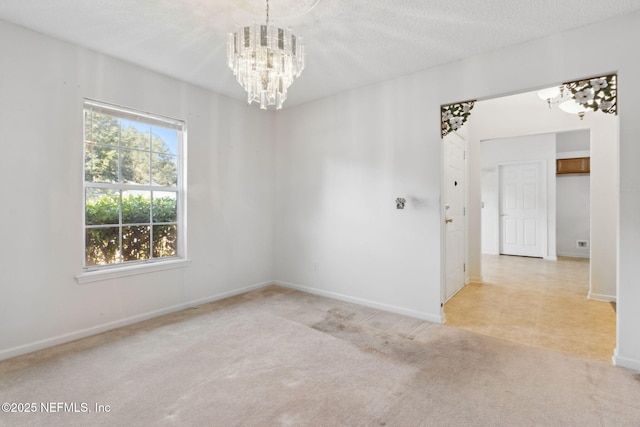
(522, 209)
(454, 212)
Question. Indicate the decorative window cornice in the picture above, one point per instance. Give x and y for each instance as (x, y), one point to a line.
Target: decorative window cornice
(453, 116)
(596, 94)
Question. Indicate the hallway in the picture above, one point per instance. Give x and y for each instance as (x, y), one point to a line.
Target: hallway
(539, 303)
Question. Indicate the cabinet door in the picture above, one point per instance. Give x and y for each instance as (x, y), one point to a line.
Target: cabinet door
(575, 165)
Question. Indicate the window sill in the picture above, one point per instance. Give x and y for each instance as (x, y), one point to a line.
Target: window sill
(131, 270)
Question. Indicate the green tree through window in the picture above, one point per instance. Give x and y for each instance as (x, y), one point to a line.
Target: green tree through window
(132, 186)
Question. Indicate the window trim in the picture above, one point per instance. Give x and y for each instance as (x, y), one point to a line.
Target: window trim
(121, 270)
(93, 273)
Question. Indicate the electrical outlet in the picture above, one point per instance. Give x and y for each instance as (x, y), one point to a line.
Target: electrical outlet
(582, 244)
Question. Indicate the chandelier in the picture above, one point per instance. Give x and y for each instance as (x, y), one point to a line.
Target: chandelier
(265, 60)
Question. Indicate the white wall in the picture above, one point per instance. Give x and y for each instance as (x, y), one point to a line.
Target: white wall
(573, 195)
(531, 148)
(573, 203)
(230, 193)
(573, 142)
(341, 161)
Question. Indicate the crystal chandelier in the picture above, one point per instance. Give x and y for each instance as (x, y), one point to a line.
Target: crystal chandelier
(265, 59)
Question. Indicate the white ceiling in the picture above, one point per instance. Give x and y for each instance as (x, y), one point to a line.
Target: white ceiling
(349, 43)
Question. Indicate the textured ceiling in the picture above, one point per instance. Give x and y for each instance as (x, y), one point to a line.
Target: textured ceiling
(349, 43)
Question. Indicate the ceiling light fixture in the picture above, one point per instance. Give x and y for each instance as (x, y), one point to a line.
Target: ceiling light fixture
(572, 107)
(583, 96)
(265, 60)
(554, 95)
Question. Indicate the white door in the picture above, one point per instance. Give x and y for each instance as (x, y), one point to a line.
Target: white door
(454, 197)
(522, 209)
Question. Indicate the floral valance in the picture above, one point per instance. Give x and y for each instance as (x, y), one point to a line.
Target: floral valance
(453, 116)
(597, 94)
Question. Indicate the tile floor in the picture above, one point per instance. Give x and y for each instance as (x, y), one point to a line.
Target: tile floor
(537, 302)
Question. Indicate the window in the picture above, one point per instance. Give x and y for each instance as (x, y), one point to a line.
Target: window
(133, 189)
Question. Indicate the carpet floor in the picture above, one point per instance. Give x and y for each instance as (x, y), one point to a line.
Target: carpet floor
(277, 357)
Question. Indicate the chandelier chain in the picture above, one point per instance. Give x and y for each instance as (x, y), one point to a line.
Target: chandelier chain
(267, 12)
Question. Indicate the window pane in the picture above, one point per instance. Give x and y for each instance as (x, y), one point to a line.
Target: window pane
(165, 170)
(135, 135)
(89, 162)
(128, 156)
(136, 207)
(165, 140)
(102, 206)
(101, 245)
(104, 130)
(100, 163)
(135, 243)
(135, 167)
(165, 239)
(165, 206)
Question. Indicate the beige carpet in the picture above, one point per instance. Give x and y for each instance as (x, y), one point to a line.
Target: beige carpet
(276, 357)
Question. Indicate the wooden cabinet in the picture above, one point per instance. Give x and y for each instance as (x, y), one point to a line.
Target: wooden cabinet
(574, 165)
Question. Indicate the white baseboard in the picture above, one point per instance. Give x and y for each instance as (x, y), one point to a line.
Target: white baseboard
(229, 294)
(475, 279)
(451, 296)
(573, 255)
(625, 362)
(550, 258)
(367, 303)
(83, 333)
(601, 297)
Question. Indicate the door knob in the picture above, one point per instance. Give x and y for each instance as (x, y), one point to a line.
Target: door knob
(448, 220)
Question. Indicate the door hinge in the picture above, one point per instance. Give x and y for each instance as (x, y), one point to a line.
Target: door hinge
(464, 211)
(464, 267)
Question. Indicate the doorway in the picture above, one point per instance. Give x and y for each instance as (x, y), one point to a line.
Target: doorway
(480, 131)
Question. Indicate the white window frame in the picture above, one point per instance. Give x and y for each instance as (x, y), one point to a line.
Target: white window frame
(102, 272)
